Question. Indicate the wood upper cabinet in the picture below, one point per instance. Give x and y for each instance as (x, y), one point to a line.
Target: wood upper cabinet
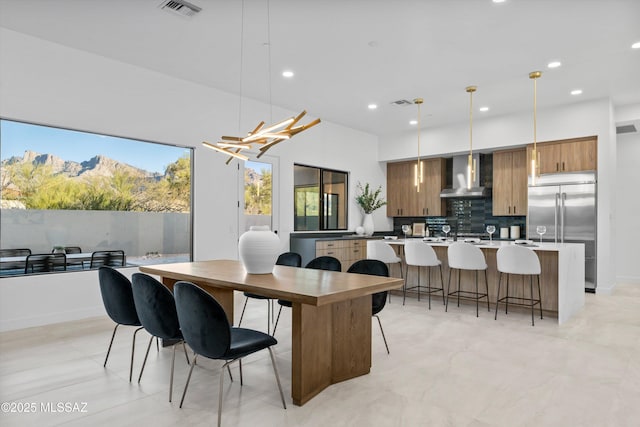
(573, 155)
(403, 199)
(510, 182)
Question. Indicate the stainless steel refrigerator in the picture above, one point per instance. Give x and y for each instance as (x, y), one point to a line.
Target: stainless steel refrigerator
(565, 204)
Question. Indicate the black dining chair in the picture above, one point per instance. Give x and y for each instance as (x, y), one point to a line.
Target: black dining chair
(379, 299)
(320, 263)
(44, 263)
(206, 329)
(117, 297)
(291, 259)
(112, 258)
(156, 310)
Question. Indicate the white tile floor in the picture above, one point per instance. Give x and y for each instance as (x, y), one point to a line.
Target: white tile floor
(445, 369)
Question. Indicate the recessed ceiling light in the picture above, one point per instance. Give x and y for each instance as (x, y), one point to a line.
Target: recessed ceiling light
(372, 106)
(484, 109)
(554, 64)
(636, 45)
(576, 92)
(498, 1)
(413, 122)
(287, 74)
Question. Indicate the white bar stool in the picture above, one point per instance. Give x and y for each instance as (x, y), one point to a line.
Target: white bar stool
(419, 254)
(382, 251)
(465, 256)
(521, 261)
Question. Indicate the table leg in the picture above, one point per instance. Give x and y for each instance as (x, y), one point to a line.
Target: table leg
(330, 343)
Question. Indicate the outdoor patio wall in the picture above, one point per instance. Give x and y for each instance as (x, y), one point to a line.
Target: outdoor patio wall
(137, 233)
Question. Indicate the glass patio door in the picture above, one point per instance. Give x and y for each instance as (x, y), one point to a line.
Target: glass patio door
(258, 199)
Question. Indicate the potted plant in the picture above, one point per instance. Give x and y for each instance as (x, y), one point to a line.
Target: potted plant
(369, 201)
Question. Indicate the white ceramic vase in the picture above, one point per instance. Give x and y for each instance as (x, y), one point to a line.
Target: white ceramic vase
(367, 224)
(259, 248)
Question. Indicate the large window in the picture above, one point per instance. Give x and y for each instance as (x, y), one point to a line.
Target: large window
(320, 199)
(63, 188)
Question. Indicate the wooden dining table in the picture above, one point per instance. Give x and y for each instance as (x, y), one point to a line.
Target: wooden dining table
(331, 316)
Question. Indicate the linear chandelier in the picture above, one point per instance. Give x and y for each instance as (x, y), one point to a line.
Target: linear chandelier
(535, 161)
(262, 137)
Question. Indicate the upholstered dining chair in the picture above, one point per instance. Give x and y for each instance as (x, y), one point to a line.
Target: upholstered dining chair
(378, 300)
(290, 259)
(156, 310)
(320, 263)
(117, 297)
(206, 329)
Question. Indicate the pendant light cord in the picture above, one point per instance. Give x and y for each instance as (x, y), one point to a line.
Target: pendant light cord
(269, 58)
(241, 67)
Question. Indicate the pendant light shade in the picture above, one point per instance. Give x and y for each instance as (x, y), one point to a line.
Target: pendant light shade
(535, 157)
(471, 163)
(418, 172)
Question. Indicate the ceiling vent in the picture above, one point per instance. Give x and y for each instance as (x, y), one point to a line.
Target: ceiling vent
(180, 7)
(402, 102)
(626, 129)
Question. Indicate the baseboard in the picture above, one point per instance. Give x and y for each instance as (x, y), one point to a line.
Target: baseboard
(49, 318)
(632, 280)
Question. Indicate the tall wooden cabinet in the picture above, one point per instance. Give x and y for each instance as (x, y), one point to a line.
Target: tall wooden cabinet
(510, 182)
(403, 199)
(572, 155)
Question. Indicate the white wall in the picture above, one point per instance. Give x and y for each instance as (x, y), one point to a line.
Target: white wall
(627, 200)
(46, 83)
(583, 119)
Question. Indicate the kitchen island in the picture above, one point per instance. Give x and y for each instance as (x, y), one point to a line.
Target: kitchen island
(562, 279)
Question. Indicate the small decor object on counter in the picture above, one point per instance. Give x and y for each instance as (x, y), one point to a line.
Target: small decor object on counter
(259, 249)
(418, 229)
(504, 233)
(360, 231)
(369, 201)
(515, 231)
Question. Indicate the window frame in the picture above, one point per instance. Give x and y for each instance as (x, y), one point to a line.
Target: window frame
(322, 200)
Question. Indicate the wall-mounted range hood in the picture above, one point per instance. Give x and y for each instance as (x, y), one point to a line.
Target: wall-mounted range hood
(459, 180)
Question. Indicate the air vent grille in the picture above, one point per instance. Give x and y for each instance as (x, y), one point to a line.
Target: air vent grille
(180, 7)
(402, 102)
(626, 129)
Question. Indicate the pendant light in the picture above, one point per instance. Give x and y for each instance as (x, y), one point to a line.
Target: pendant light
(471, 164)
(263, 137)
(418, 175)
(535, 156)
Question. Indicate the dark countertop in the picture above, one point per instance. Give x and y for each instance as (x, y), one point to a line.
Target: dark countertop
(339, 236)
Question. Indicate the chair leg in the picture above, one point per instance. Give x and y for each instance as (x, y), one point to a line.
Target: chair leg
(539, 296)
(442, 283)
(144, 362)
(477, 295)
(184, 393)
(486, 285)
(110, 344)
(240, 367)
(173, 364)
(459, 273)
(498, 296)
(419, 268)
(446, 304)
(429, 284)
(506, 301)
(532, 304)
(277, 320)
(133, 349)
(404, 288)
(275, 371)
(246, 299)
(382, 330)
(184, 347)
(157, 345)
(220, 393)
